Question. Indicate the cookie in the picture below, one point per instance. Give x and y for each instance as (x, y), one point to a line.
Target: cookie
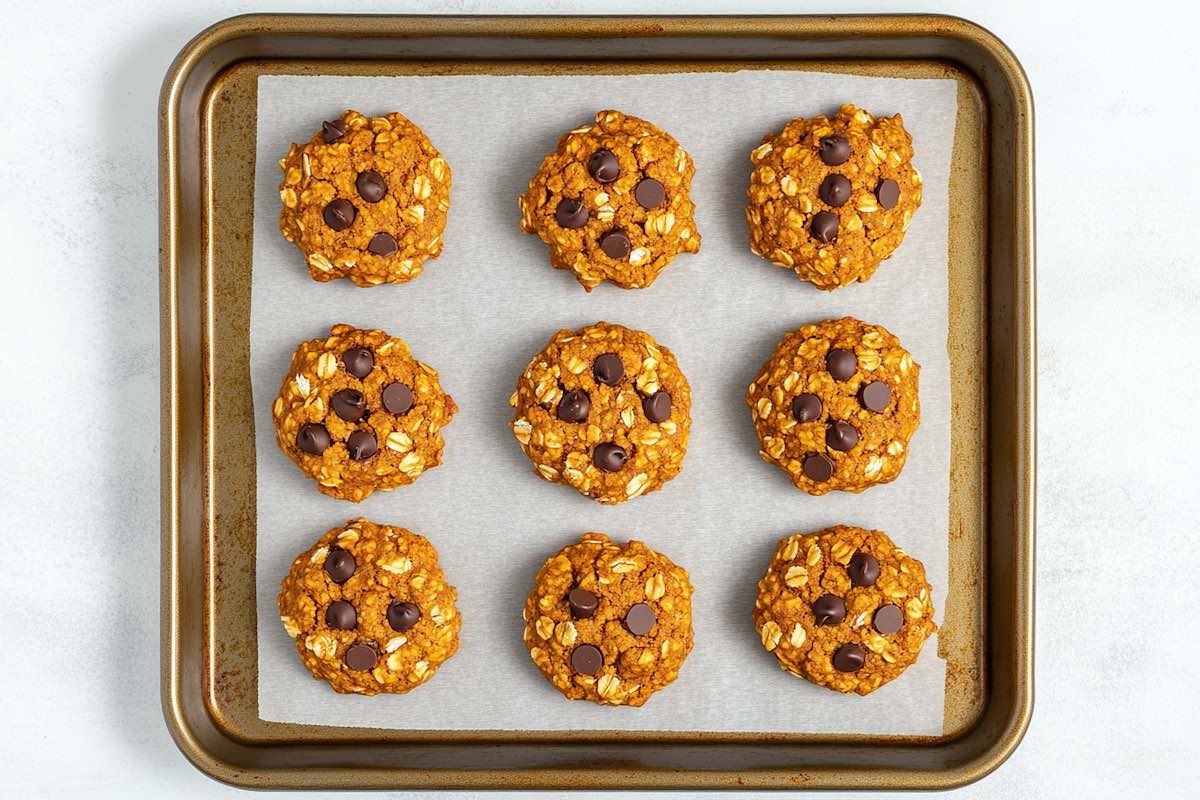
(370, 609)
(357, 413)
(831, 198)
(608, 622)
(844, 608)
(613, 202)
(605, 410)
(365, 199)
(835, 406)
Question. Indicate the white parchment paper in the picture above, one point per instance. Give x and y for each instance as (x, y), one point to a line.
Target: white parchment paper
(491, 301)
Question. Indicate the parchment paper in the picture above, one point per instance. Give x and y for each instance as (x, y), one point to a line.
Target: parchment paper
(482, 310)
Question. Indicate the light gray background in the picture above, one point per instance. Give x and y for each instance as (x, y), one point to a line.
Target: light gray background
(491, 301)
(1118, 292)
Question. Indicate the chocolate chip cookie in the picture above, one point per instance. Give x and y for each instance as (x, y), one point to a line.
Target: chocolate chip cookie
(605, 410)
(357, 413)
(613, 202)
(831, 198)
(835, 406)
(608, 622)
(844, 608)
(365, 199)
(370, 609)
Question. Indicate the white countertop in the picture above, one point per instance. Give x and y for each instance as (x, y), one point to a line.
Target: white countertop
(1118, 162)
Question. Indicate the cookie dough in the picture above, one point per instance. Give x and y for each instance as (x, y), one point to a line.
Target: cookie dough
(831, 198)
(370, 609)
(835, 406)
(604, 409)
(844, 608)
(608, 622)
(613, 202)
(365, 199)
(357, 413)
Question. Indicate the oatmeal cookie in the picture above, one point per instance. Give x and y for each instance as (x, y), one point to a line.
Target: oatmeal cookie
(605, 410)
(608, 622)
(844, 608)
(357, 413)
(365, 199)
(831, 198)
(613, 202)
(370, 609)
(836, 405)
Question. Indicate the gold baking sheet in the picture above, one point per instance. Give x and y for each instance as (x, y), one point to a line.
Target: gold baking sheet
(209, 658)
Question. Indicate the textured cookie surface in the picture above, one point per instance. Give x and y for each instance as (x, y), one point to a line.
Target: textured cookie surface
(613, 202)
(357, 413)
(831, 198)
(844, 608)
(608, 622)
(605, 410)
(370, 609)
(365, 199)
(836, 405)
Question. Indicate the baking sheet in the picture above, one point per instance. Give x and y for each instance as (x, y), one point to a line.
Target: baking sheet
(491, 301)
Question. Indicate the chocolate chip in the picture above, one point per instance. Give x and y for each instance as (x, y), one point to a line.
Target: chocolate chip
(849, 658)
(841, 436)
(888, 193)
(841, 364)
(371, 186)
(313, 439)
(639, 619)
(649, 193)
(574, 406)
(571, 213)
(341, 616)
(657, 406)
(875, 396)
(586, 659)
(615, 245)
(333, 130)
(339, 214)
(609, 457)
(362, 445)
(863, 569)
(818, 467)
(888, 619)
(361, 657)
(359, 361)
(829, 609)
(339, 565)
(834, 150)
(608, 369)
(806, 407)
(397, 398)
(835, 190)
(349, 404)
(824, 226)
(403, 615)
(582, 602)
(382, 244)
(603, 166)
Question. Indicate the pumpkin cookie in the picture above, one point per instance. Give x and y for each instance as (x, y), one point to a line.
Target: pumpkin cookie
(357, 413)
(836, 405)
(613, 202)
(370, 609)
(844, 608)
(605, 410)
(608, 622)
(365, 199)
(831, 198)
